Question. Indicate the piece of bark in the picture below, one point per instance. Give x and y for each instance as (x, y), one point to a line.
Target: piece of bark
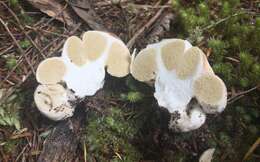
(54, 9)
(63, 141)
(160, 28)
(157, 31)
(85, 11)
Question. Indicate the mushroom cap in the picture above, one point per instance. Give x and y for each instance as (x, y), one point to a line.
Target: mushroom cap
(180, 71)
(53, 101)
(51, 71)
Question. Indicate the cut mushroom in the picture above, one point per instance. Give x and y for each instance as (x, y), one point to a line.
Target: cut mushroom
(181, 73)
(53, 101)
(81, 68)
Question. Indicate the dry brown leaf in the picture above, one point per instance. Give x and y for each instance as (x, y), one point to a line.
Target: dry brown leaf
(85, 11)
(54, 9)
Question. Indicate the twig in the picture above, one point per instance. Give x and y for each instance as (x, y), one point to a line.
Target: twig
(232, 59)
(20, 154)
(7, 49)
(17, 44)
(222, 20)
(46, 31)
(252, 148)
(241, 94)
(131, 42)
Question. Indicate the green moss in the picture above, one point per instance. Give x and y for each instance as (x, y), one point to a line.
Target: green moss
(14, 3)
(246, 59)
(25, 43)
(9, 111)
(225, 70)
(244, 82)
(226, 9)
(108, 136)
(256, 70)
(11, 62)
(204, 10)
(132, 97)
(219, 48)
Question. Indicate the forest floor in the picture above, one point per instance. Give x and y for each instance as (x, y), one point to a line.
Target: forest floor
(123, 122)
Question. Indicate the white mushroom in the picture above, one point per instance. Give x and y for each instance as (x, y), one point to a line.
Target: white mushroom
(181, 72)
(207, 155)
(53, 101)
(81, 67)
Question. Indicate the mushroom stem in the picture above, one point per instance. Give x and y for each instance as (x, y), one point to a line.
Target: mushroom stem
(54, 101)
(183, 121)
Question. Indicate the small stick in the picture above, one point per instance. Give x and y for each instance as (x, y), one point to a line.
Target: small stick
(7, 49)
(251, 149)
(241, 94)
(131, 42)
(46, 31)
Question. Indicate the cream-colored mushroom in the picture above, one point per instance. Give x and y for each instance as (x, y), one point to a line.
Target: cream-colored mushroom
(51, 71)
(181, 73)
(81, 67)
(207, 155)
(53, 101)
(211, 93)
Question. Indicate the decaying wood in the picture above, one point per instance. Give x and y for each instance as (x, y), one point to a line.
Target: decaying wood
(161, 27)
(153, 25)
(63, 141)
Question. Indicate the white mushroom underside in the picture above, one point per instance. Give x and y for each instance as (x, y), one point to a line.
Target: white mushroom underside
(86, 80)
(167, 84)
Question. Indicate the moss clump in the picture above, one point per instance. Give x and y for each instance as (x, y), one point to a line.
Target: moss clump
(108, 136)
(132, 97)
(9, 110)
(11, 62)
(25, 43)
